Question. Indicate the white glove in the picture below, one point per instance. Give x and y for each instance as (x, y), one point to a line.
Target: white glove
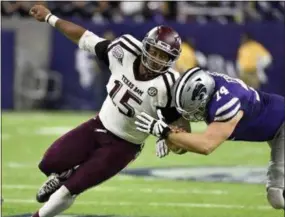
(148, 124)
(161, 148)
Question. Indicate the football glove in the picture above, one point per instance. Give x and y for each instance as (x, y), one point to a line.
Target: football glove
(161, 148)
(148, 124)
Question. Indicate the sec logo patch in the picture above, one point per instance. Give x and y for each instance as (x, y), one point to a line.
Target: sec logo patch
(152, 91)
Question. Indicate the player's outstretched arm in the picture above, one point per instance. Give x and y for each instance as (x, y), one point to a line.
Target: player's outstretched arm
(205, 143)
(69, 29)
(85, 39)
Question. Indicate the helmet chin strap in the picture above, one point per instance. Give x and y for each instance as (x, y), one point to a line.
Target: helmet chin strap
(158, 71)
(145, 58)
(145, 71)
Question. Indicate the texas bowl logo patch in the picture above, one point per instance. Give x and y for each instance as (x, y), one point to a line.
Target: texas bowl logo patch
(152, 91)
(118, 53)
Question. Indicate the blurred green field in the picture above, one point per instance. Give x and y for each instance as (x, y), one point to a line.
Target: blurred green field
(25, 137)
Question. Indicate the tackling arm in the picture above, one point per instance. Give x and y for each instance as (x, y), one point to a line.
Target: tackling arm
(181, 125)
(207, 142)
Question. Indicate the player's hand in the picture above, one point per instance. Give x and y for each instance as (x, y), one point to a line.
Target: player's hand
(39, 12)
(148, 124)
(161, 148)
(176, 129)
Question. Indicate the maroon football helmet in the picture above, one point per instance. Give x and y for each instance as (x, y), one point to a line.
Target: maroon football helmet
(161, 48)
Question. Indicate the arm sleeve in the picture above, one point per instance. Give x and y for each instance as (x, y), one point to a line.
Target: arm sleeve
(170, 114)
(95, 45)
(101, 50)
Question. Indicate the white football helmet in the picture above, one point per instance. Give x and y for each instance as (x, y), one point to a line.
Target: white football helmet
(192, 92)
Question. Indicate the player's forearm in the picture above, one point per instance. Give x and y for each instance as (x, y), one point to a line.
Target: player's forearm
(196, 143)
(70, 30)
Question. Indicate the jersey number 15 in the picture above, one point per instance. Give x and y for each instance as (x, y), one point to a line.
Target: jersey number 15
(123, 105)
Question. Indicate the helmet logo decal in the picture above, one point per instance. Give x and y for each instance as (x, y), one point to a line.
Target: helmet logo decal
(163, 44)
(199, 92)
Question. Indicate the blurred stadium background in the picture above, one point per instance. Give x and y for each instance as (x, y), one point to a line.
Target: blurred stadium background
(48, 86)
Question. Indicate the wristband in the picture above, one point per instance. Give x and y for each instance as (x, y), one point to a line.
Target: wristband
(51, 19)
(165, 133)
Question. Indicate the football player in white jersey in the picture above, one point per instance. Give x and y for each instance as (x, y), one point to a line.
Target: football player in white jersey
(141, 79)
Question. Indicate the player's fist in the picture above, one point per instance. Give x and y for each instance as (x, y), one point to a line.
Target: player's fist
(39, 12)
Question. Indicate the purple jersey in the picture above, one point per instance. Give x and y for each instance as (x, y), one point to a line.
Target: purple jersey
(263, 113)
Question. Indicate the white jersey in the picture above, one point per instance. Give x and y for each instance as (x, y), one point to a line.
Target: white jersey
(128, 96)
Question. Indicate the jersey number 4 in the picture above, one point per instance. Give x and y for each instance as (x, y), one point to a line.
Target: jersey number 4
(124, 107)
(221, 91)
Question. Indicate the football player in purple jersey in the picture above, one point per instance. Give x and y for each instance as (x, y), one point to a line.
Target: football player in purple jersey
(232, 111)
